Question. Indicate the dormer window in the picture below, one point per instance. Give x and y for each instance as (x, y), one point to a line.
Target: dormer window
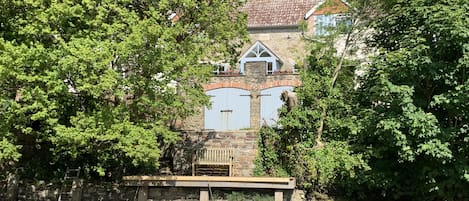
(325, 23)
(260, 53)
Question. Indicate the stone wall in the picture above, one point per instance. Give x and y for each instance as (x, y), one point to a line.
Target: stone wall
(173, 194)
(108, 192)
(285, 42)
(243, 142)
(288, 45)
(42, 191)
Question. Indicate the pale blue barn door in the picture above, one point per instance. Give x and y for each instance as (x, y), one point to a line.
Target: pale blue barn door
(270, 103)
(230, 109)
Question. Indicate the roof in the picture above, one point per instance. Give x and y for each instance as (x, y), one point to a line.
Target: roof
(266, 13)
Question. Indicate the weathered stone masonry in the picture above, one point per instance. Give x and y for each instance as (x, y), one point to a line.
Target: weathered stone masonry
(243, 142)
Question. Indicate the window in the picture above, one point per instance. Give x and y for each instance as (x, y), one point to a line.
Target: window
(323, 24)
(297, 68)
(270, 68)
(259, 53)
(219, 68)
(265, 54)
(258, 50)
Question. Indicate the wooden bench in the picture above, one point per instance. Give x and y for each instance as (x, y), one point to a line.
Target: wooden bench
(213, 157)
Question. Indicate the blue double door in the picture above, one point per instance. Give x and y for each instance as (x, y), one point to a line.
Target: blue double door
(230, 109)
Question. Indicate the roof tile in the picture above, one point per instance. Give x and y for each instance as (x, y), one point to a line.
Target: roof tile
(262, 13)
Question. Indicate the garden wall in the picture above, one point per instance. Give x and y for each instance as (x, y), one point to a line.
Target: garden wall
(243, 143)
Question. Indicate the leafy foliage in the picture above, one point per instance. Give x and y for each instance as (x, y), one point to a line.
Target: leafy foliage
(326, 96)
(267, 161)
(97, 84)
(402, 135)
(411, 102)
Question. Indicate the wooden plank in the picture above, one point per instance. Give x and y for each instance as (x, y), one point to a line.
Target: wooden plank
(142, 193)
(211, 162)
(218, 184)
(213, 168)
(210, 178)
(204, 194)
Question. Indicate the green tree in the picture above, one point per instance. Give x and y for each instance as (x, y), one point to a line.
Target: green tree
(315, 135)
(96, 84)
(414, 102)
(313, 142)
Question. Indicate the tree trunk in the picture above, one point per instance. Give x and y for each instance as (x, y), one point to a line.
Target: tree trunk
(335, 74)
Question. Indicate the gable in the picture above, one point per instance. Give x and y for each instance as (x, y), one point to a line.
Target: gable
(260, 53)
(259, 50)
(326, 7)
(331, 7)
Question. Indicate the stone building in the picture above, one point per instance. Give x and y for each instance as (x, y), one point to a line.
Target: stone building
(247, 96)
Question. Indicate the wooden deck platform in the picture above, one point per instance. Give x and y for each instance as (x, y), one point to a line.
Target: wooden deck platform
(278, 184)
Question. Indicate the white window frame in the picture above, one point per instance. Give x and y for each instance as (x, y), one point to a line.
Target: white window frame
(271, 71)
(258, 49)
(218, 67)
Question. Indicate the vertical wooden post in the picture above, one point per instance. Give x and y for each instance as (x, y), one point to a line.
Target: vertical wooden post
(193, 169)
(204, 194)
(143, 193)
(278, 195)
(76, 189)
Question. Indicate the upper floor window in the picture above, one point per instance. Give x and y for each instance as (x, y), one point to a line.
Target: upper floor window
(270, 68)
(220, 68)
(260, 53)
(324, 24)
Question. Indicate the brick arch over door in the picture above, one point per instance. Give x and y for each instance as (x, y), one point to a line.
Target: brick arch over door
(219, 85)
(279, 83)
